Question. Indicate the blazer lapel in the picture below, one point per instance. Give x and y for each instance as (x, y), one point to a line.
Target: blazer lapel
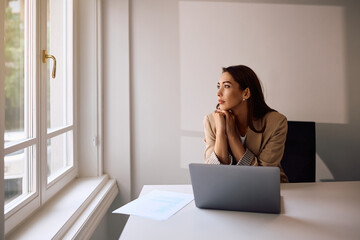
(253, 139)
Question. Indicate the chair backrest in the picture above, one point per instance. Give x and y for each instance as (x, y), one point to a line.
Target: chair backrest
(298, 161)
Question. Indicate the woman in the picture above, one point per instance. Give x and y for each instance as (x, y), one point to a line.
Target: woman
(244, 130)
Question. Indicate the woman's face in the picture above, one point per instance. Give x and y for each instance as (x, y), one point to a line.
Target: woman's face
(230, 96)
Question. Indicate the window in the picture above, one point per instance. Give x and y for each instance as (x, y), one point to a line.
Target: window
(39, 127)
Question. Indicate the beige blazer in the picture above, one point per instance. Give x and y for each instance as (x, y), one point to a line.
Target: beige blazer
(268, 146)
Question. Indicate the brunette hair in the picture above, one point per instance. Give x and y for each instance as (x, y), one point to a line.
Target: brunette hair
(246, 77)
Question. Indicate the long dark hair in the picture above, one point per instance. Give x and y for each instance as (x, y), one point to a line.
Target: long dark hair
(257, 108)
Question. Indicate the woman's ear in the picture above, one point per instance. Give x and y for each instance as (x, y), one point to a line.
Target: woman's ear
(246, 93)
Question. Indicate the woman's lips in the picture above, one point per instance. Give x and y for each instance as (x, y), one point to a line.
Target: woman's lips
(221, 101)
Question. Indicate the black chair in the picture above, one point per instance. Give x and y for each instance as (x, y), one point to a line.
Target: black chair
(298, 161)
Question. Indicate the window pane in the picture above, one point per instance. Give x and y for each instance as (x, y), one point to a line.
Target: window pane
(59, 154)
(59, 90)
(14, 72)
(17, 171)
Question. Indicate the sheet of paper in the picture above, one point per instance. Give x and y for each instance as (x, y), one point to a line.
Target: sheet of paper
(159, 205)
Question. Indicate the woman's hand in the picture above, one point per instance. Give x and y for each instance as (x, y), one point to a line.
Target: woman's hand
(220, 122)
(233, 139)
(230, 123)
(221, 147)
(231, 129)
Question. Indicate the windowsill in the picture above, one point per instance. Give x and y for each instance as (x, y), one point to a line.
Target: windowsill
(73, 212)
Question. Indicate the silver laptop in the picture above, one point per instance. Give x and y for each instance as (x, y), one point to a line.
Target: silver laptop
(236, 188)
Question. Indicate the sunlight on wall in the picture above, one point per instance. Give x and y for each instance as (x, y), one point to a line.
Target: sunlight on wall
(323, 173)
(297, 51)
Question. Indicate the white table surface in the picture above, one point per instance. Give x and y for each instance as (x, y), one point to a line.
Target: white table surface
(326, 210)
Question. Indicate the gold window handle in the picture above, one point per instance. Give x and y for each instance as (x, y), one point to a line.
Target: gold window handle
(45, 56)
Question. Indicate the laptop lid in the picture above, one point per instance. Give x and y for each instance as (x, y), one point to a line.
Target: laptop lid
(237, 188)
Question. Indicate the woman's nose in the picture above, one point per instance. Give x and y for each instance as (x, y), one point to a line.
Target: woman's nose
(219, 93)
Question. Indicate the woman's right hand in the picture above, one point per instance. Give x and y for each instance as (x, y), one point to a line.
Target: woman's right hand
(221, 146)
(220, 122)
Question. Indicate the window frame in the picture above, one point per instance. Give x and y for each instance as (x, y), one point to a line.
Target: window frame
(2, 117)
(25, 206)
(50, 189)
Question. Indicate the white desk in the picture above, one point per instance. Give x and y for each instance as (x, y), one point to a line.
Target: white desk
(329, 210)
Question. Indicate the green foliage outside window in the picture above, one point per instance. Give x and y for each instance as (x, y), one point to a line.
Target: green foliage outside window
(14, 71)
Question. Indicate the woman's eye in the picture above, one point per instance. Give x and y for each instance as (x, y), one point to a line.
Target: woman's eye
(227, 86)
(218, 86)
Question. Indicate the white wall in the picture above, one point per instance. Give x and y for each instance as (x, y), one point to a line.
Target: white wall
(109, 39)
(295, 58)
(155, 95)
(87, 79)
(116, 107)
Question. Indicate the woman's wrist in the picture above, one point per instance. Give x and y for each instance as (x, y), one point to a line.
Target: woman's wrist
(233, 137)
(221, 132)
